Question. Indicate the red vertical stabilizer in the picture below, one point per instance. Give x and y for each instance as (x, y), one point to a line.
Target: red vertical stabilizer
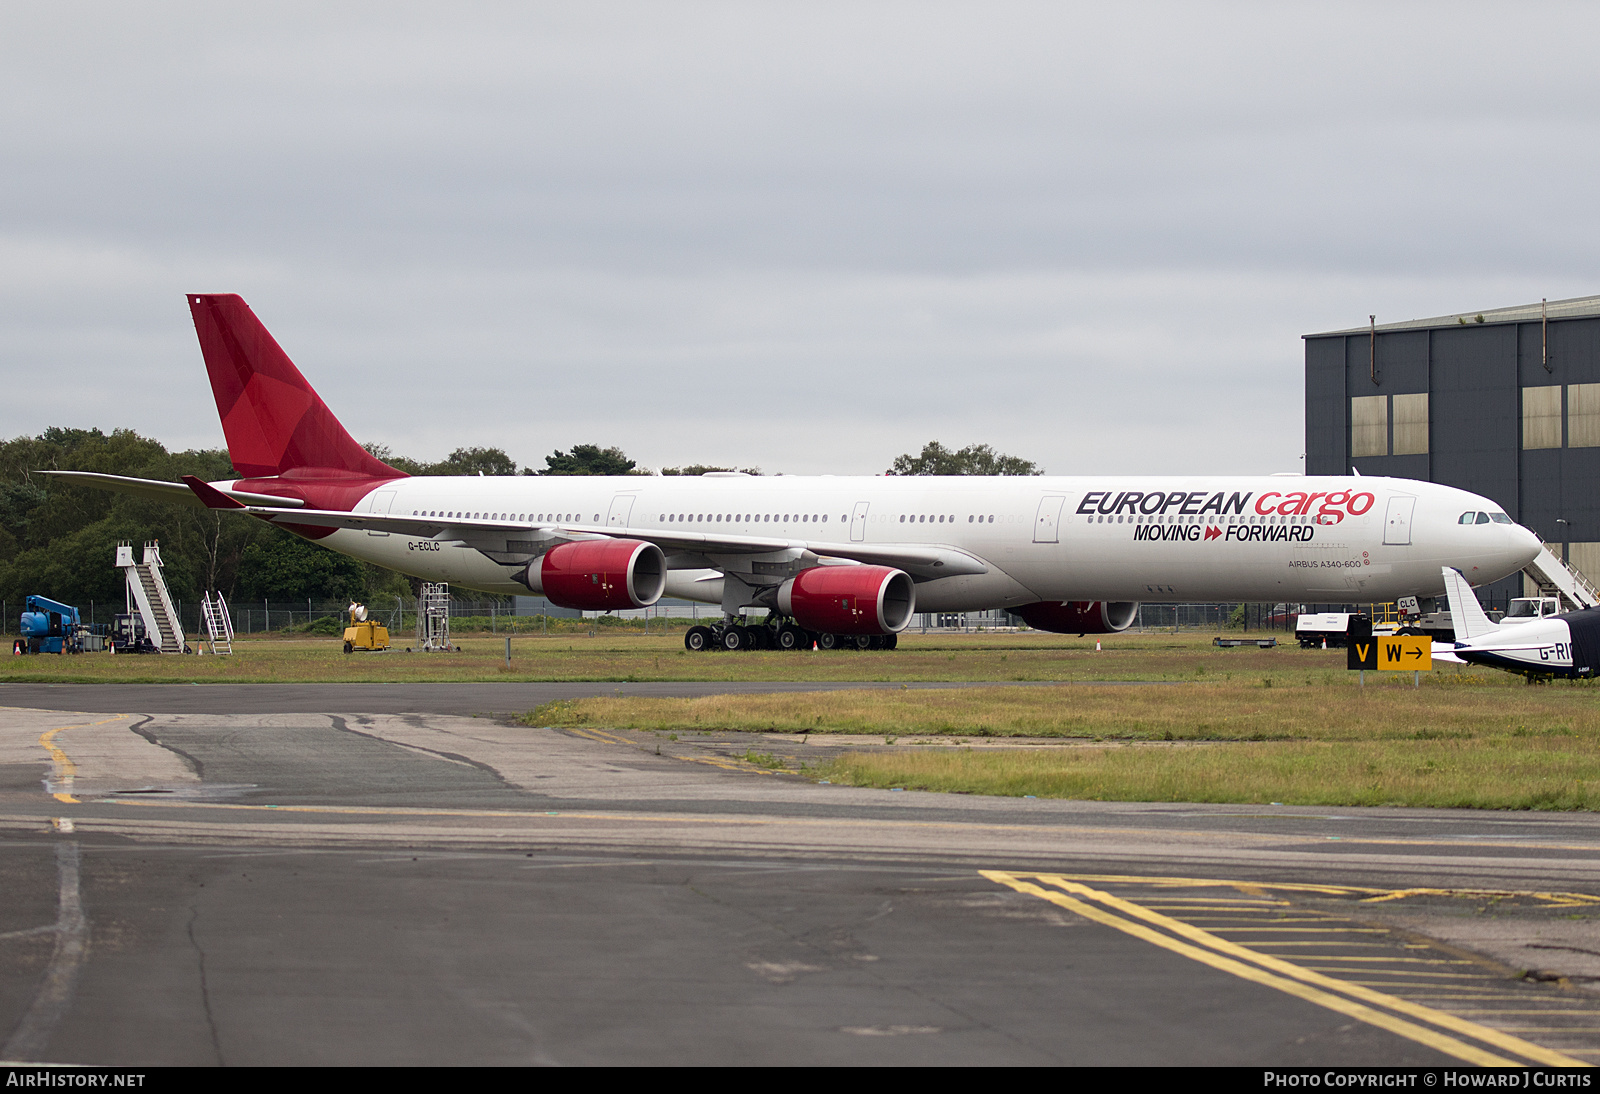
(273, 420)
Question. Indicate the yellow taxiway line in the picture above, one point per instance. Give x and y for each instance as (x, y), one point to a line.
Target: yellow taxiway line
(1373, 1007)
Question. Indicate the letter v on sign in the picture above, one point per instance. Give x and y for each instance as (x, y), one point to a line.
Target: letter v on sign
(1361, 653)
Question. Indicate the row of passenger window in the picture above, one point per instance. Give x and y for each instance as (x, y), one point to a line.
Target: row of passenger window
(749, 518)
(520, 517)
(696, 518)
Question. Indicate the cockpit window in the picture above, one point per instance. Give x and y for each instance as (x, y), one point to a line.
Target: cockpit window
(1483, 518)
(1467, 518)
(1500, 518)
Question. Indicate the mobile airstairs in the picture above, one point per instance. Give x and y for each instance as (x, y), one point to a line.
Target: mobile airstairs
(149, 599)
(219, 624)
(1556, 578)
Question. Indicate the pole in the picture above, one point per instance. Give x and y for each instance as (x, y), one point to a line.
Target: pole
(1544, 334)
(1372, 347)
(508, 651)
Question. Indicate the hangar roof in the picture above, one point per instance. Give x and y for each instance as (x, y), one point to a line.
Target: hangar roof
(1556, 309)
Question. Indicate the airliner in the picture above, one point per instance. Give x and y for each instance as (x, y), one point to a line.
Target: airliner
(834, 561)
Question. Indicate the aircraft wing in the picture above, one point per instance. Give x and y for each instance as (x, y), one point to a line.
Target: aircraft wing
(164, 491)
(917, 559)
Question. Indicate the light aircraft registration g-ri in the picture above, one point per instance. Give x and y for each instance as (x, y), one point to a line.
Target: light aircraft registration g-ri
(835, 560)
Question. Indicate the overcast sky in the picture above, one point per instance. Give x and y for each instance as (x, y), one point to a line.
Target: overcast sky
(805, 236)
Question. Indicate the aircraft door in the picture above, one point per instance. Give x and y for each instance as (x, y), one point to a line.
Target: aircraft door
(1397, 522)
(858, 523)
(1047, 526)
(621, 510)
(380, 504)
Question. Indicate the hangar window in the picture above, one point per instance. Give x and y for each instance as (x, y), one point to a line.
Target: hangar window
(1583, 415)
(1585, 558)
(1541, 417)
(1369, 425)
(1411, 424)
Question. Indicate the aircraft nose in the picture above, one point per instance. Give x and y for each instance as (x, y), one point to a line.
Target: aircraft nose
(1524, 545)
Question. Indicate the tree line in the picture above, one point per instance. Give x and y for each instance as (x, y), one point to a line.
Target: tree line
(59, 539)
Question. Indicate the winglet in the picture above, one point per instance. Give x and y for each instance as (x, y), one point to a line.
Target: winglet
(1466, 614)
(210, 495)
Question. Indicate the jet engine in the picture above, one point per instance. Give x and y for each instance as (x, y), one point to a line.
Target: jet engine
(849, 599)
(600, 575)
(1079, 616)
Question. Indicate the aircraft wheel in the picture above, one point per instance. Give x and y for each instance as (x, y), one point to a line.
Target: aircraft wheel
(827, 641)
(760, 637)
(890, 641)
(789, 637)
(697, 639)
(862, 642)
(734, 639)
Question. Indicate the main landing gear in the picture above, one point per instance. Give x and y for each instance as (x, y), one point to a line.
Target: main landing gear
(786, 635)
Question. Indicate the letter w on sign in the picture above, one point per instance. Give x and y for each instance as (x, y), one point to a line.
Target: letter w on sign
(1405, 653)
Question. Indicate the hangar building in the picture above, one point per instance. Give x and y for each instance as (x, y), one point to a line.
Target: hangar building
(1505, 403)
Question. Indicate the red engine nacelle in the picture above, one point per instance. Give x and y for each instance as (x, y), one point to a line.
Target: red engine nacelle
(849, 599)
(600, 575)
(1079, 616)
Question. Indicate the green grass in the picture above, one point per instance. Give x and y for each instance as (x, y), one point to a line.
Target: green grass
(1238, 711)
(616, 654)
(1243, 725)
(1477, 773)
(1465, 739)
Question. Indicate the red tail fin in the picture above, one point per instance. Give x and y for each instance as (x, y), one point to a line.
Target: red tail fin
(272, 418)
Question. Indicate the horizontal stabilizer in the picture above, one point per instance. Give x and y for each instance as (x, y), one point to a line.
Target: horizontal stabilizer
(165, 491)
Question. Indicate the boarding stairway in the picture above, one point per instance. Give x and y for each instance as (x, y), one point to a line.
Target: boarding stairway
(148, 595)
(1556, 578)
(219, 624)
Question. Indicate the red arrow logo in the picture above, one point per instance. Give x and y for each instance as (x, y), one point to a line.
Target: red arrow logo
(1213, 532)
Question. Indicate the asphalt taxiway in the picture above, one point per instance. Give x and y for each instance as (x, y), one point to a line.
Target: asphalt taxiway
(425, 887)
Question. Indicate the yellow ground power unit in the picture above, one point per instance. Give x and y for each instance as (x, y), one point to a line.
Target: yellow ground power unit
(364, 633)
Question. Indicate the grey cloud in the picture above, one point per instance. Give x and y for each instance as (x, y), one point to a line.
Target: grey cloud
(809, 237)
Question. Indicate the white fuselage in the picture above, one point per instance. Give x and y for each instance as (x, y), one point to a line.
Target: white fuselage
(1082, 538)
(1540, 647)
